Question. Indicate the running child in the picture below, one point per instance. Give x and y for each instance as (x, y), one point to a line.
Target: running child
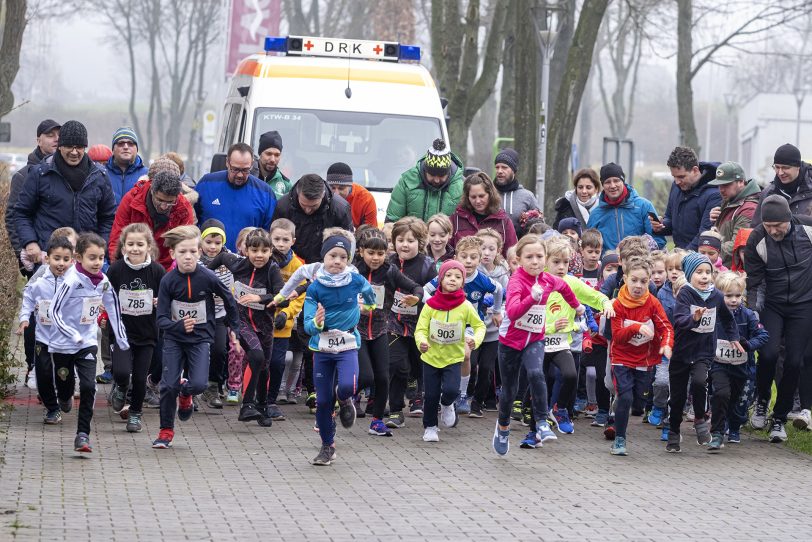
(440, 336)
(591, 248)
(136, 279)
(440, 233)
(186, 317)
(641, 336)
(331, 314)
(699, 305)
(74, 340)
(235, 358)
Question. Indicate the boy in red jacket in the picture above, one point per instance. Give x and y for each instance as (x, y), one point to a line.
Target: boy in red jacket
(641, 335)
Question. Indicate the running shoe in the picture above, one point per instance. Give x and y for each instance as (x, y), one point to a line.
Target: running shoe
(803, 421)
(689, 414)
(463, 405)
(152, 399)
(516, 411)
(105, 378)
(703, 434)
(396, 420)
(369, 409)
(591, 410)
(448, 416)
(31, 380)
(531, 441)
(734, 437)
(758, 420)
(359, 412)
(378, 428)
(291, 398)
(124, 413)
(411, 389)
(544, 432)
(66, 405)
(476, 410)
(579, 406)
(276, 413)
(118, 396)
(609, 433)
(265, 419)
(327, 455)
(664, 434)
(673, 446)
(501, 440)
(212, 396)
(777, 432)
(248, 413)
(794, 413)
(311, 403)
(416, 408)
(716, 443)
(619, 446)
(430, 434)
(52, 417)
(491, 405)
(527, 416)
(562, 418)
(195, 403)
(186, 407)
(601, 419)
(82, 443)
(233, 397)
(346, 413)
(656, 415)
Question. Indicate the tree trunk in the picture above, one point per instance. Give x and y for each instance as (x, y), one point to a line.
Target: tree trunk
(585, 128)
(508, 90)
(558, 62)
(526, 104)
(483, 131)
(565, 113)
(685, 92)
(13, 29)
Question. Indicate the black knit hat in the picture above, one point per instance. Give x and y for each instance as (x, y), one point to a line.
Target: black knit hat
(268, 140)
(339, 174)
(73, 134)
(509, 157)
(787, 155)
(775, 208)
(612, 170)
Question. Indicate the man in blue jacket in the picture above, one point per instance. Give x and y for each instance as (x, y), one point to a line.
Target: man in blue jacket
(690, 200)
(234, 196)
(65, 189)
(125, 167)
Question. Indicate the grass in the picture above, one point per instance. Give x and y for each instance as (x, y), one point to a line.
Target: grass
(800, 441)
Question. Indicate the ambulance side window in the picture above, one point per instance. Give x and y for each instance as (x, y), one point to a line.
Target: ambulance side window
(231, 121)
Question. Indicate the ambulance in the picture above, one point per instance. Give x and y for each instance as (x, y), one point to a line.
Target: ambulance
(369, 104)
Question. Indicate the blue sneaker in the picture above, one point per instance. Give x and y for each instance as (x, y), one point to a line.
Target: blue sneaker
(664, 434)
(580, 405)
(463, 404)
(601, 418)
(105, 378)
(619, 446)
(562, 416)
(378, 428)
(656, 416)
(544, 432)
(531, 441)
(501, 440)
(734, 437)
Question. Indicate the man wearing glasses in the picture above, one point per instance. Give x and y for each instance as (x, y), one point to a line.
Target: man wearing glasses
(234, 196)
(793, 181)
(65, 189)
(125, 167)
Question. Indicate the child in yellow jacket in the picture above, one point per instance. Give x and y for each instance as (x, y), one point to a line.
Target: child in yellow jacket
(440, 336)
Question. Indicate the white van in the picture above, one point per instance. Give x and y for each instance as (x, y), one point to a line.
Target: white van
(366, 103)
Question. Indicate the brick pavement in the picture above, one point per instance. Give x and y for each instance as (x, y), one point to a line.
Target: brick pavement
(227, 480)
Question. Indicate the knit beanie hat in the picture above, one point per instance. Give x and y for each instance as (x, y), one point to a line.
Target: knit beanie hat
(787, 155)
(73, 134)
(610, 259)
(213, 226)
(570, 223)
(445, 268)
(339, 174)
(775, 208)
(612, 170)
(438, 158)
(691, 262)
(125, 133)
(268, 140)
(163, 164)
(336, 241)
(99, 153)
(509, 157)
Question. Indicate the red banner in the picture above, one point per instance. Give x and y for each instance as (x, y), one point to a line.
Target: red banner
(249, 22)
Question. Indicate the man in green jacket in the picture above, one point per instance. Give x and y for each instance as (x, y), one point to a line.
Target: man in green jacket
(433, 185)
(739, 202)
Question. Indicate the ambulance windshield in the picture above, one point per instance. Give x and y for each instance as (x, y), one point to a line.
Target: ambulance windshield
(378, 147)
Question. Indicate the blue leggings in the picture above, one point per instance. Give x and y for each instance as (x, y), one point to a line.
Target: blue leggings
(329, 371)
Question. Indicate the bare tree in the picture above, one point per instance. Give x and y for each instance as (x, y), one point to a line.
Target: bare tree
(12, 17)
(525, 83)
(332, 18)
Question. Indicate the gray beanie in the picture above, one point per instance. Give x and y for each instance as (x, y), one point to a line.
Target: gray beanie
(775, 209)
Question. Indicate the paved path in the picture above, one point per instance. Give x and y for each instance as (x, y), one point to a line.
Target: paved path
(226, 480)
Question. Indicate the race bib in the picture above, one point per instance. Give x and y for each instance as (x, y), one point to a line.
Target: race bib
(533, 320)
(727, 353)
(181, 310)
(591, 282)
(91, 309)
(445, 332)
(241, 289)
(380, 295)
(399, 307)
(43, 312)
(707, 324)
(135, 302)
(556, 342)
(335, 341)
(638, 338)
(227, 279)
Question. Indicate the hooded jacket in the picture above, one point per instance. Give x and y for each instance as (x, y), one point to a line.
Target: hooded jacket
(385, 281)
(630, 217)
(688, 213)
(752, 334)
(516, 199)
(133, 208)
(363, 207)
(414, 196)
(334, 211)
(17, 182)
(421, 269)
(465, 223)
(696, 339)
(735, 215)
(47, 202)
(123, 181)
(800, 203)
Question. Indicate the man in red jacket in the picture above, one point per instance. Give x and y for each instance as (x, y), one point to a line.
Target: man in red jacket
(155, 200)
(363, 207)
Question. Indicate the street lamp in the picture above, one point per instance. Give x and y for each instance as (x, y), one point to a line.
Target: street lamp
(730, 103)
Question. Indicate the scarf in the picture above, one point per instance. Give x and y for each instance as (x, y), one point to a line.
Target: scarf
(511, 186)
(95, 278)
(704, 294)
(159, 220)
(442, 301)
(585, 208)
(619, 200)
(74, 175)
(628, 301)
(334, 280)
(282, 259)
(137, 266)
(790, 188)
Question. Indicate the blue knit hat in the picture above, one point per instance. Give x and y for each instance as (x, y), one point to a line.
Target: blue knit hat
(691, 262)
(125, 133)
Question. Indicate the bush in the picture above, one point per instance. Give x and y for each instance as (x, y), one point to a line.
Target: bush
(9, 280)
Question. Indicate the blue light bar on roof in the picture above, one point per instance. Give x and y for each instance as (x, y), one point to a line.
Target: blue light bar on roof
(409, 52)
(276, 45)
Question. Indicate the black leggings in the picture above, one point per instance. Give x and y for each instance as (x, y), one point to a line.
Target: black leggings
(679, 372)
(483, 360)
(219, 352)
(136, 362)
(597, 359)
(569, 374)
(373, 369)
(402, 355)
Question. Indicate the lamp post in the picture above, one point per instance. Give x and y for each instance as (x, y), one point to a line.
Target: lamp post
(730, 103)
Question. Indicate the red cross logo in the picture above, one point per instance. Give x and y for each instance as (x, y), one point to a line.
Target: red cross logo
(377, 49)
(308, 46)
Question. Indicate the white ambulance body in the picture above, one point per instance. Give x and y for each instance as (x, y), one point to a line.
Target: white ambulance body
(390, 118)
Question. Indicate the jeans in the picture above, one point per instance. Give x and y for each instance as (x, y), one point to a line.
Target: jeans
(331, 371)
(373, 367)
(679, 372)
(135, 362)
(176, 356)
(630, 385)
(510, 362)
(441, 387)
(84, 362)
